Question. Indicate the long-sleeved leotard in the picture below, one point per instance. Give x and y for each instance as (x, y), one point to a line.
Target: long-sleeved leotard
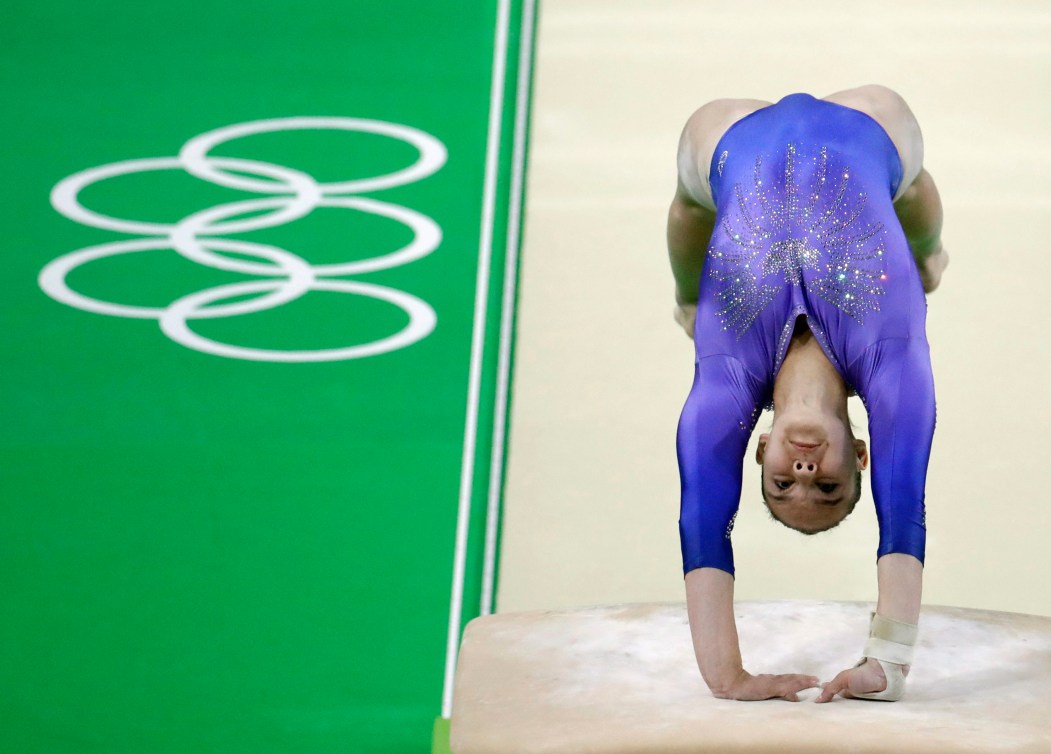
(805, 226)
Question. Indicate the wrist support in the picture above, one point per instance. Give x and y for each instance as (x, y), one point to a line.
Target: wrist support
(890, 643)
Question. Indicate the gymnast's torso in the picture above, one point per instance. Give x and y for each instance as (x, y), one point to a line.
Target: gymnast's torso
(805, 227)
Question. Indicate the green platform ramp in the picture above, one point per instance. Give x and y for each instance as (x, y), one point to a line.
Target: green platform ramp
(257, 330)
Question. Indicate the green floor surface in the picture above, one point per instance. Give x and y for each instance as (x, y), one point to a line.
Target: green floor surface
(231, 489)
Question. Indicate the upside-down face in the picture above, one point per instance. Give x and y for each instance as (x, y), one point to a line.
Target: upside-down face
(811, 472)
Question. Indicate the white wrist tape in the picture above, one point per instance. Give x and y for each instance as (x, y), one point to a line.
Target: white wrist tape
(890, 644)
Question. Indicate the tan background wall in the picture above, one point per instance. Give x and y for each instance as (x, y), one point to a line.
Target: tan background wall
(602, 370)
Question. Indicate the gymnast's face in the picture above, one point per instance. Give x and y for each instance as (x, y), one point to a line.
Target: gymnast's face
(811, 472)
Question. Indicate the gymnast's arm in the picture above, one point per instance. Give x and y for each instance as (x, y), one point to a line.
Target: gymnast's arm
(899, 393)
(711, 444)
(710, 604)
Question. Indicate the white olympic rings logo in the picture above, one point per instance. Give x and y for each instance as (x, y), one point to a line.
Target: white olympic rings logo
(293, 194)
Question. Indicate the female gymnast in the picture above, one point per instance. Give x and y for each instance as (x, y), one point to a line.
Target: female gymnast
(803, 238)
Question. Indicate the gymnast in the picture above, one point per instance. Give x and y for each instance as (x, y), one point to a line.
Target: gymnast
(803, 237)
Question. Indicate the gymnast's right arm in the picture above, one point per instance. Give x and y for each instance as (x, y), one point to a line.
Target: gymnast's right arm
(713, 432)
(709, 600)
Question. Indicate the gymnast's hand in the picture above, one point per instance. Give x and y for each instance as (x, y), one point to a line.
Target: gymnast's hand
(686, 316)
(753, 688)
(864, 679)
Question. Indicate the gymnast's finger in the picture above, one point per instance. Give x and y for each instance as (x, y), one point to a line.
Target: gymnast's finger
(836, 686)
(801, 681)
(791, 685)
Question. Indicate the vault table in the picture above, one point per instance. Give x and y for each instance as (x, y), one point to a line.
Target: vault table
(622, 680)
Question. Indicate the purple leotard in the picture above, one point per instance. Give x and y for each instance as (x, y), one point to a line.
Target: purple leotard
(805, 226)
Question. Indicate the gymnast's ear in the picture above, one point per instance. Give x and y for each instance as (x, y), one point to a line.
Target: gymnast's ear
(760, 450)
(862, 452)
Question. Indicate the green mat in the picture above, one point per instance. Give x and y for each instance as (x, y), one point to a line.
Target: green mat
(257, 332)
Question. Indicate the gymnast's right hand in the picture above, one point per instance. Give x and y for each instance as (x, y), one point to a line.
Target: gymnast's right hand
(686, 316)
(753, 688)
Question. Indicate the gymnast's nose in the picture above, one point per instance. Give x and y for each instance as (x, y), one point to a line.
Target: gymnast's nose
(805, 468)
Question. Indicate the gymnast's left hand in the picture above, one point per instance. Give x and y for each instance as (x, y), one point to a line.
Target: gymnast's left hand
(864, 679)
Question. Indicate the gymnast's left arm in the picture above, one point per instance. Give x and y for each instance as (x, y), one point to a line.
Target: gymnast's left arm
(899, 394)
(900, 578)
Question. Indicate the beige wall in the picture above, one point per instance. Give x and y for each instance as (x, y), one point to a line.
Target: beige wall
(602, 371)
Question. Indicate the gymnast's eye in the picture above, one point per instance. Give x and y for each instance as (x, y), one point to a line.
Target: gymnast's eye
(782, 484)
(827, 487)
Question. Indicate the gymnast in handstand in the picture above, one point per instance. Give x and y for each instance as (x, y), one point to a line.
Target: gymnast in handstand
(803, 237)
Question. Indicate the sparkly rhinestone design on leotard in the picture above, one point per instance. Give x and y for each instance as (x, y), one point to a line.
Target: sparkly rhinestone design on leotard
(797, 225)
(722, 162)
(730, 526)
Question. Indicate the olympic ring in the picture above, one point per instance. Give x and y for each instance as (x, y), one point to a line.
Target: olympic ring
(194, 153)
(174, 322)
(53, 279)
(294, 195)
(65, 195)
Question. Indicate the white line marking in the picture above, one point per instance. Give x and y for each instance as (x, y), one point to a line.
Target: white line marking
(496, 99)
(514, 228)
